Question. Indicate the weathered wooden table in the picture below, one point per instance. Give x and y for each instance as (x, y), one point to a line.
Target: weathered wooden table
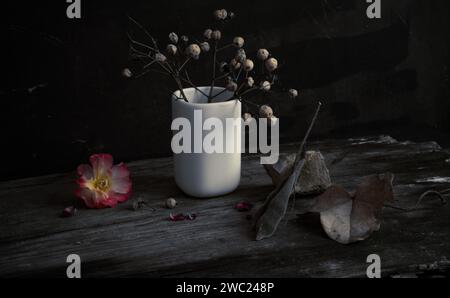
(35, 240)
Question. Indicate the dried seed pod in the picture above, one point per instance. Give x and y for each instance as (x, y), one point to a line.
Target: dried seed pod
(248, 65)
(271, 64)
(250, 82)
(220, 14)
(234, 64)
(231, 86)
(265, 111)
(160, 58)
(126, 72)
(208, 33)
(171, 203)
(216, 35)
(171, 49)
(263, 54)
(241, 56)
(265, 86)
(238, 42)
(173, 37)
(247, 117)
(184, 38)
(293, 93)
(193, 50)
(205, 46)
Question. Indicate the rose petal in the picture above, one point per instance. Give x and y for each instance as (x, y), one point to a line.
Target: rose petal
(108, 202)
(69, 211)
(101, 163)
(84, 183)
(121, 182)
(95, 199)
(118, 197)
(177, 217)
(243, 206)
(120, 171)
(88, 196)
(85, 171)
(122, 186)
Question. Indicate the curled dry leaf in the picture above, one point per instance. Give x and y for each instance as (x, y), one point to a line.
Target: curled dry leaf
(350, 218)
(274, 209)
(270, 214)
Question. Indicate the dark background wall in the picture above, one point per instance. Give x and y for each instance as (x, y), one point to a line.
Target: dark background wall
(63, 96)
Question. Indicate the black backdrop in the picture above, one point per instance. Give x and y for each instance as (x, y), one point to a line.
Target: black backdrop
(63, 96)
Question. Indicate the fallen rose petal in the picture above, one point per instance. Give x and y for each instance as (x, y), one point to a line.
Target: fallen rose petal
(177, 217)
(243, 206)
(69, 211)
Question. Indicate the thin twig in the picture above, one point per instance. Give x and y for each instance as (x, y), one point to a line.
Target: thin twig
(222, 76)
(440, 194)
(249, 102)
(140, 43)
(184, 64)
(300, 152)
(195, 87)
(219, 93)
(149, 64)
(239, 73)
(214, 71)
(176, 79)
(146, 32)
(225, 47)
(245, 92)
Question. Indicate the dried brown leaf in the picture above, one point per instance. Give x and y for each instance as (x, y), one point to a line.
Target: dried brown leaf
(347, 218)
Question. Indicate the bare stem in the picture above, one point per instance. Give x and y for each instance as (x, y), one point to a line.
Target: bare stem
(248, 91)
(222, 76)
(184, 64)
(249, 102)
(216, 95)
(149, 64)
(213, 72)
(225, 47)
(155, 45)
(175, 77)
(140, 43)
(301, 150)
(189, 82)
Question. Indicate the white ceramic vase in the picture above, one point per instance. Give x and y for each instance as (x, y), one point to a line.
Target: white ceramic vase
(205, 175)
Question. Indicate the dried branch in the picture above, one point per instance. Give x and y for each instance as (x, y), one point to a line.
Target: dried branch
(155, 45)
(213, 71)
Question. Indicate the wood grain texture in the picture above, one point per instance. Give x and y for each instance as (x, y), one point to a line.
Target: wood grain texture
(35, 240)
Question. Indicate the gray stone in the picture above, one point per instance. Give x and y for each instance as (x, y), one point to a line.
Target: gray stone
(313, 179)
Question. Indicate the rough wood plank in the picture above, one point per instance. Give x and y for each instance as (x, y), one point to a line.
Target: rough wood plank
(34, 240)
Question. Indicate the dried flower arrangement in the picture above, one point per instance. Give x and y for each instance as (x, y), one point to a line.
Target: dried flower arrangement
(238, 75)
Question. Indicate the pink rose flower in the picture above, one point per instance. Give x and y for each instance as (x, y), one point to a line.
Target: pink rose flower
(103, 184)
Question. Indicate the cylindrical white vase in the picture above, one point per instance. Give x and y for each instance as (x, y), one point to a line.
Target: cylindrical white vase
(203, 174)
